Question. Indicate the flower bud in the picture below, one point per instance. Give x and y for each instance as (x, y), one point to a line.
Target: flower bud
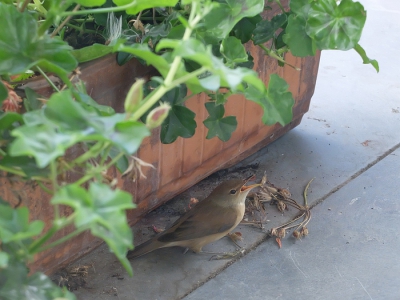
(157, 116)
(134, 96)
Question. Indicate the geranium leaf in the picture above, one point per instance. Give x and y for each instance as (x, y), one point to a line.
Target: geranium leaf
(296, 38)
(334, 26)
(218, 125)
(233, 50)
(102, 210)
(21, 48)
(276, 100)
(265, 30)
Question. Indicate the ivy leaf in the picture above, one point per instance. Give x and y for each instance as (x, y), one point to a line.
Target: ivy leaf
(145, 53)
(243, 30)
(128, 135)
(299, 42)
(265, 30)
(31, 101)
(65, 112)
(221, 20)
(366, 60)
(144, 4)
(15, 226)
(42, 142)
(218, 125)
(276, 100)
(233, 50)
(91, 52)
(180, 121)
(15, 283)
(102, 210)
(335, 26)
(21, 48)
(189, 49)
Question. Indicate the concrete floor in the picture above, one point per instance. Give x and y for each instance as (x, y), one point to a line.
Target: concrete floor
(349, 141)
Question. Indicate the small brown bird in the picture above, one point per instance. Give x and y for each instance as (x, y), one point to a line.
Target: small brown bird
(210, 220)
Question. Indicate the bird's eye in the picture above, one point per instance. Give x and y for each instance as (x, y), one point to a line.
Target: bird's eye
(232, 192)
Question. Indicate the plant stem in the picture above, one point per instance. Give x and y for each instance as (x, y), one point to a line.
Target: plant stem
(98, 170)
(98, 10)
(280, 5)
(93, 152)
(46, 189)
(57, 225)
(277, 57)
(24, 5)
(64, 22)
(305, 192)
(189, 76)
(39, 7)
(62, 240)
(53, 174)
(169, 83)
(51, 83)
(12, 171)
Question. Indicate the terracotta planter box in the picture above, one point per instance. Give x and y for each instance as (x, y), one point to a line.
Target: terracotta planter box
(178, 165)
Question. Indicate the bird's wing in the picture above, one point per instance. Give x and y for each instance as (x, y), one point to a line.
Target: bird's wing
(202, 221)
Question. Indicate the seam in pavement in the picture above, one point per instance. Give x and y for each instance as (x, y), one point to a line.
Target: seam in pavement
(320, 200)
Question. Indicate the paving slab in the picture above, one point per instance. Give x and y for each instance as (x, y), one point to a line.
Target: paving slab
(351, 252)
(353, 124)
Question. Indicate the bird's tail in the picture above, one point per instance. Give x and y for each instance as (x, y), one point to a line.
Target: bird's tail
(144, 248)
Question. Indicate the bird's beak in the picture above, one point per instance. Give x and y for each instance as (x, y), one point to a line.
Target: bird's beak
(249, 187)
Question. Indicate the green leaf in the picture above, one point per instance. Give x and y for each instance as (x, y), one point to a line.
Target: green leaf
(366, 60)
(276, 100)
(335, 26)
(123, 163)
(91, 52)
(64, 111)
(15, 226)
(31, 101)
(3, 92)
(3, 260)
(102, 210)
(10, 120)
(89, 104)
(218, 125)
(144, 4)
(24, 163)
(90, 3)
(265, 30)
(145, 53)
(243, 30)
(296, 38)
(233, 50)
(21, 48)
(221, 20)
(42, 142)
(180, 120)
(189, 49)
(128, 135)
(300, 7)
(15, 283)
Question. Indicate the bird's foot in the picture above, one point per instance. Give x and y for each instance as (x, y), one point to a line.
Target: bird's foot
(228, 255)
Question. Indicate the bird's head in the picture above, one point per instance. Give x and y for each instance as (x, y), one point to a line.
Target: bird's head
(233, 191)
